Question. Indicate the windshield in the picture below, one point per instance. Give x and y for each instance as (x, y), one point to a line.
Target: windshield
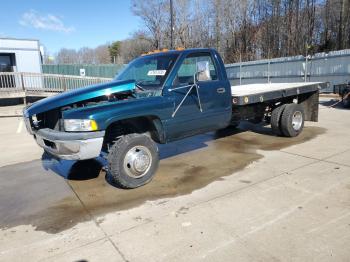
(149, 72)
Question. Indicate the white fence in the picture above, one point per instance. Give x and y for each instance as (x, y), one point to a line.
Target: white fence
(333, 67)
(33, 82)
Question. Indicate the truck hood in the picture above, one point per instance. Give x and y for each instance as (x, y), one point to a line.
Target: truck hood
(78, 95)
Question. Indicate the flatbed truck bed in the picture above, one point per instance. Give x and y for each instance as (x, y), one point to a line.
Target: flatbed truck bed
(256, 102)
(260, 93)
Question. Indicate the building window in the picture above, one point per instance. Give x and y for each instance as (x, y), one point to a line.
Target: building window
(7, 62)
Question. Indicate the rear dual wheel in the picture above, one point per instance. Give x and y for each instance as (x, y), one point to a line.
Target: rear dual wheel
(276, 120)
(288, 120)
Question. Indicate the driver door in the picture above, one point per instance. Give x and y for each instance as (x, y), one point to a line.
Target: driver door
(194, 109)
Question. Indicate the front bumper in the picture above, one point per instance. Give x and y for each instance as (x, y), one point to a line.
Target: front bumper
(70, 146)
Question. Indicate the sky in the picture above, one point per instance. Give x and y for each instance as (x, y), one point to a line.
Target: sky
(70, 24)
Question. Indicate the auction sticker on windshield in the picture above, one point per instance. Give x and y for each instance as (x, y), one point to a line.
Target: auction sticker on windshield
(156, 72)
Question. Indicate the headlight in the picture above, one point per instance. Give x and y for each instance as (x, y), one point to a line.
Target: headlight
(75, 125)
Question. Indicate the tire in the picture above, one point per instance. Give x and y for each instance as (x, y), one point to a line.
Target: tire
(132, 161)
(292, 120)
(276, 120)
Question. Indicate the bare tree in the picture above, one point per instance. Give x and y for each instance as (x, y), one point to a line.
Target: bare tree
(133, 47)
(155, 15)
(86, 56)
(102, 54)
(67, 56)
(238, 29)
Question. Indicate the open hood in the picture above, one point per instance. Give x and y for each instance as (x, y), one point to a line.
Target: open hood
(79, 95)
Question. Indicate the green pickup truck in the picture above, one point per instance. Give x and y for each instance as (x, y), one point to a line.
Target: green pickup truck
(159, 98)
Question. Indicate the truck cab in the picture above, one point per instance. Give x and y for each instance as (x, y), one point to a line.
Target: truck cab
(188, 86)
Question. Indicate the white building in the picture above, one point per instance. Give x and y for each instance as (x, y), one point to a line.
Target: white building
(20, 55)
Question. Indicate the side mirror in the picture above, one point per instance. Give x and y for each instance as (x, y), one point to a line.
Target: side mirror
(203, 71)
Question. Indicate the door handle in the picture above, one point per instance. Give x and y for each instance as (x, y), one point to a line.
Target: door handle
(221, 90)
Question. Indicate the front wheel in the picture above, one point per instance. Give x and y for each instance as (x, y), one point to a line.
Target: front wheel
(133, 161)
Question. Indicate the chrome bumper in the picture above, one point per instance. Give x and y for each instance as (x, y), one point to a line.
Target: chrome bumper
(70, 146)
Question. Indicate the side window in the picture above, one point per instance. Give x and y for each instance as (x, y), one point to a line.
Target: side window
(189, 68)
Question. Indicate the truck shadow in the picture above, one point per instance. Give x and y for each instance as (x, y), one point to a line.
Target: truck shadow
(90, 169)
(72, 170)
(333, 103)
(201, 141)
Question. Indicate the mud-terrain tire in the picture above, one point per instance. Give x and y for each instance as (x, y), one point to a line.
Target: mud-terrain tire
(132, 161)
(292, 120)
(276, 120)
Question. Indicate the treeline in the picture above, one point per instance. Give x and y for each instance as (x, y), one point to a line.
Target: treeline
(85, 55)
(238, 29)
(118, 52)
(248, 29)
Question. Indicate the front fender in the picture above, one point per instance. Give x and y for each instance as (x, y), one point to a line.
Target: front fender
(105, 114)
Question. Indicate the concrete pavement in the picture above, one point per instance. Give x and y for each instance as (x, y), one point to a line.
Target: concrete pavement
(236, 195)
(11, 111)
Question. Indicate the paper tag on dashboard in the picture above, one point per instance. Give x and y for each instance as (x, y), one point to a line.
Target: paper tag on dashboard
(156, 72)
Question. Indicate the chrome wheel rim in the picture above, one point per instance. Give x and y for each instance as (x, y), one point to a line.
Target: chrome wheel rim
(137, 161)
(297, 120)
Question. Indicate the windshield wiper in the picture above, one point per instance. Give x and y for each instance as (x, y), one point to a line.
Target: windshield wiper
(139, 87)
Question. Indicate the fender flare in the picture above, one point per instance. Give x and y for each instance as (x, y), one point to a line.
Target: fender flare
(154, 125)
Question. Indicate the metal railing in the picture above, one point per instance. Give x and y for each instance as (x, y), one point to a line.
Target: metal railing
(48, 83)
(332, 67)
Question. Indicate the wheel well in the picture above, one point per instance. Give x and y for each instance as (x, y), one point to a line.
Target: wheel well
(149, 125)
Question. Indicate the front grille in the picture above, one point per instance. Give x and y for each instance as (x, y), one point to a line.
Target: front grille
(49, 119)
